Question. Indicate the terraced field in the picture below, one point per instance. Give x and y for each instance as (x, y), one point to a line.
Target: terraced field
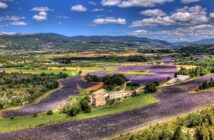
(53, 101)
(175, 99)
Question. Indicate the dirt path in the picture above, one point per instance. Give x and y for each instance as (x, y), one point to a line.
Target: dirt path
(54, 100)
(174, 100)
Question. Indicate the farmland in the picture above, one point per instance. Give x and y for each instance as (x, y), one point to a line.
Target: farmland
(106, 70)
(43, 119)
(140, 84)
(143, 107)
(165, 108)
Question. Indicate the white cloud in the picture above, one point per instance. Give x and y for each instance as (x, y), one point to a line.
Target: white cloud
(11, 18)
(110, 2)
(212, 15)
(62, 17)
(7, 33)
(18, 23)
(41, 16)
(41, 9)
(153, 13)
(138, 32)
(185, 33)
(3, 5)
(109, 20)
(92, 3)
(183, 16)
(133, 3)
(98, 10)
(189, 1)
(79, 8)
(153, 21)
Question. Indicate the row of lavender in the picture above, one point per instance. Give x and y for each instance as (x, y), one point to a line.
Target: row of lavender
(158, 72)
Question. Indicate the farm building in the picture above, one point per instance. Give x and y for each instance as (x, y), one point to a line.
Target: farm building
(116, 95)
(179, 78)
(98, 98)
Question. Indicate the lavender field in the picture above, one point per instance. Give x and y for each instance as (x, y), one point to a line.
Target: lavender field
(54, 100)
(159, 73)
(174, 100)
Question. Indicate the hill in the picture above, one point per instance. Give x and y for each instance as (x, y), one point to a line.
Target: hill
(56, 42)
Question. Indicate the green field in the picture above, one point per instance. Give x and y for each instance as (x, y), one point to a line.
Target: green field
(69, 72)
(7, 124)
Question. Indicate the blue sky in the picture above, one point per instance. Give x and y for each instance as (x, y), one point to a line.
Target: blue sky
(171, 20)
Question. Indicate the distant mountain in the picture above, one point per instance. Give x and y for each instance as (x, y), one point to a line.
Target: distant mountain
(51, 41)
(204, 42)
(195, 43)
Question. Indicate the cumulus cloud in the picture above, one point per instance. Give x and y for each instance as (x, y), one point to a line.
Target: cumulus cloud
(78, 8)
(18, 23)
(189, 1)
(41, 16)
(185, 33)
(183, 16)
(41, 9)
(3, 5)
(212, 15)
(153, 13)
(202, 31)
(11, 18)
(133, 3)
(109, 20)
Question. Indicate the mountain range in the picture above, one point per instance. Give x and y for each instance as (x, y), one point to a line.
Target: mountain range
(52, 40)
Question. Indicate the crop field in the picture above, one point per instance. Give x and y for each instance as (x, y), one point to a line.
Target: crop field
(55, 71)
(144, 73)
(42, 119)
(56, 99)
(102, 69)
(171, 103)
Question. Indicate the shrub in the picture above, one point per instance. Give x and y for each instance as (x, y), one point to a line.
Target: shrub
(35, 115)
(150, 88)
(71, 110)
(50, 112)
(85, 107)
(75, 109)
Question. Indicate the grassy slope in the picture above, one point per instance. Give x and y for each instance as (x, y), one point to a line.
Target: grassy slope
(42, 119)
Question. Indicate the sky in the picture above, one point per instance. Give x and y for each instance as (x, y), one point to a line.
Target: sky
(170, 20)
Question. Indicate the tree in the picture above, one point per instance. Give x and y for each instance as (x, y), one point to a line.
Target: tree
(75, 109)
(50, 112)
(166, 135)
(202, 133)
(85, 107)
(178, 134)
(1, 106)
(150, 88)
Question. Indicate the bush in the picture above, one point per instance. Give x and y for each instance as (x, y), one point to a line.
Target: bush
(85, 107)
(50, 112)
(71, 110)
(35, 115)
(150, 88)
(1, 106)
(75, 109)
